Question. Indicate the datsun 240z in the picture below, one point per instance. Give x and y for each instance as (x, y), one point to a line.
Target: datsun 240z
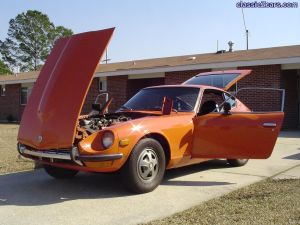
(159, 128)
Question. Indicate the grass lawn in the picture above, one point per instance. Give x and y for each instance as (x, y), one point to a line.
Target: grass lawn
(266, 202)
(9, 161)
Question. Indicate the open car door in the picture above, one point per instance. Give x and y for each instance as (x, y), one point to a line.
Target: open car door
(238, 135)
(221, 79)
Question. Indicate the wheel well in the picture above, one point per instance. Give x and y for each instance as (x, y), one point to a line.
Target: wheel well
(164, 143)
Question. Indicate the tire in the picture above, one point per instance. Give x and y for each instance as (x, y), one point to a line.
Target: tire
(237, 162)
(145, 167)
(59, 173)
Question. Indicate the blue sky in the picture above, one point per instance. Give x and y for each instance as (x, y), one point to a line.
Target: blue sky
(161, 28)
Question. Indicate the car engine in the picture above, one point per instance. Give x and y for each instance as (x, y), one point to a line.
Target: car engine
(91, 123)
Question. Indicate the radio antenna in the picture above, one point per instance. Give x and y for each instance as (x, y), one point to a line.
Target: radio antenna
(247, 31)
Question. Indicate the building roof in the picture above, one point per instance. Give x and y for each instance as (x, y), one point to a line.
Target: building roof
(20, 77)
(262, 56)
(207, 58)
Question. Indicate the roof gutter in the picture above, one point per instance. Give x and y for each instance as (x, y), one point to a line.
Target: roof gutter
(18, 81)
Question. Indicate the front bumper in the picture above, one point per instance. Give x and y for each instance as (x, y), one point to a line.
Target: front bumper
(69, 155)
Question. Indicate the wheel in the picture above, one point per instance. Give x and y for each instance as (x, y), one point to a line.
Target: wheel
(237, 162)
(59, 173)
(145, 167)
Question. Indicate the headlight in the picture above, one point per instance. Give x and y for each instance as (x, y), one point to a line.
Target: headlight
(108, 139)
(21, 148)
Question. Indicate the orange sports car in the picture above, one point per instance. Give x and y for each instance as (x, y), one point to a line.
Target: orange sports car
(159, 128)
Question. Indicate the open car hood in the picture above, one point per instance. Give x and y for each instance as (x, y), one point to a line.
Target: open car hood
(50, 117)
(221, 79)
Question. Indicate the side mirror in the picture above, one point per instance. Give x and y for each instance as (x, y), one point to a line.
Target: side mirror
(227, 108)
(167, 106)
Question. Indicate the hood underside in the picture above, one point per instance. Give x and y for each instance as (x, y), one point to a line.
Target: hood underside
(50, 117)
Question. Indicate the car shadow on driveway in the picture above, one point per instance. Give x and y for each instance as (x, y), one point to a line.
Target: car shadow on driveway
(294, 156)
(179, 172)
(37, 188)
(290, 134)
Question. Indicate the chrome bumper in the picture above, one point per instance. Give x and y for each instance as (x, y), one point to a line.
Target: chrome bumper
(70, 155)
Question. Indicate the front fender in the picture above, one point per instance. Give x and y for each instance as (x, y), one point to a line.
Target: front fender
(176, 129)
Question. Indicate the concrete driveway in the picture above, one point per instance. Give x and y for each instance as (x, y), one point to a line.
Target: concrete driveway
(35, 198)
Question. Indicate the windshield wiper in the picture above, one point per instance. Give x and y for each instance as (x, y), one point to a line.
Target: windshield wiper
(156, 108)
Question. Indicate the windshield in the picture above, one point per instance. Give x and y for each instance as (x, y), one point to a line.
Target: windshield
(184, 99)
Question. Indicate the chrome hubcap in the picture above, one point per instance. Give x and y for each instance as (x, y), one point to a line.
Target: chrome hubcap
(147, 165)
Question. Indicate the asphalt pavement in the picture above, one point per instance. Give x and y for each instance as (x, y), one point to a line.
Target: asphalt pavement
(35, 198)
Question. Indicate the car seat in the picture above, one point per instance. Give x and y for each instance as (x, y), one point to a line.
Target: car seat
(207, 107)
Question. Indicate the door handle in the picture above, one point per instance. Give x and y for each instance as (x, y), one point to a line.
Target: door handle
(269, 125)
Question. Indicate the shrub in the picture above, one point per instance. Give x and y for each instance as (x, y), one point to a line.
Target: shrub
(10, 118)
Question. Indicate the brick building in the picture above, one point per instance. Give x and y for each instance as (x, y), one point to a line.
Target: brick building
(277, 67)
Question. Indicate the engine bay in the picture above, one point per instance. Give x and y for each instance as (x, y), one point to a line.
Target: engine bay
(93, 122)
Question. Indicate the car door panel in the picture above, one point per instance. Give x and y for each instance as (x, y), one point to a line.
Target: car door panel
(238, 135)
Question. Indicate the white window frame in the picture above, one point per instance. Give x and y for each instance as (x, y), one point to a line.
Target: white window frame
(28, 87)
(102, 84)
(3, 89)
